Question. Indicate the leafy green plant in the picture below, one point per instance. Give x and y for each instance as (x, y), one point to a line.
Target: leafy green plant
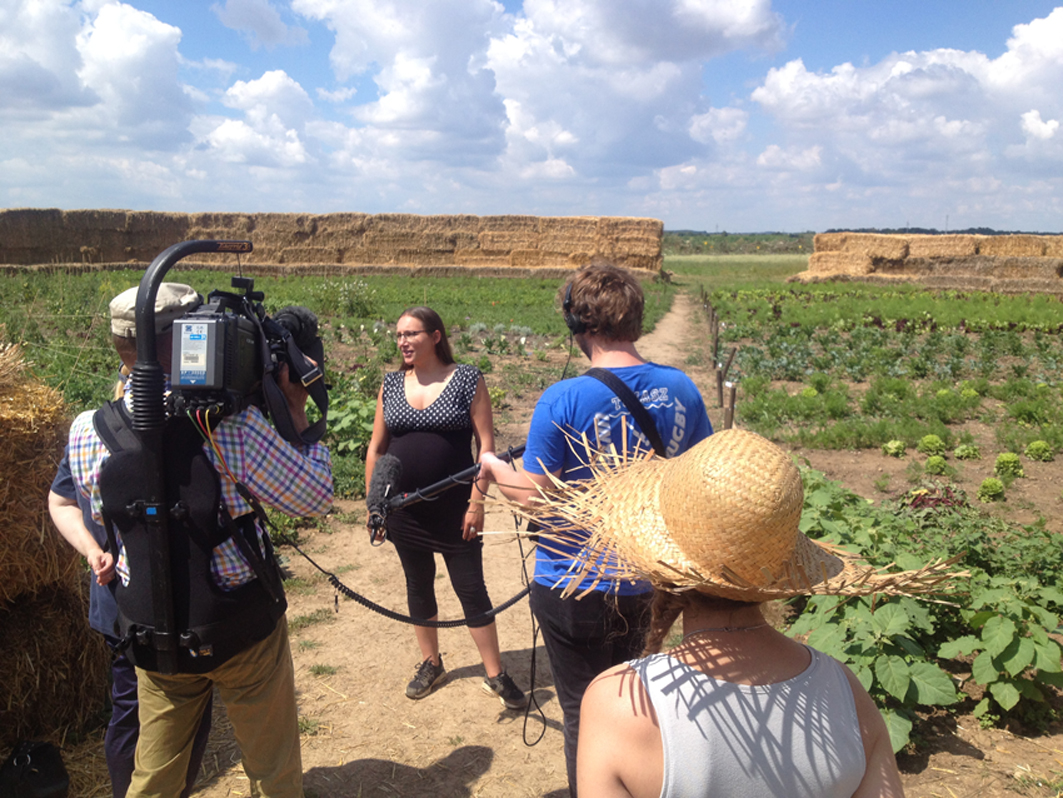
(323, 670)
(894, 448)
(967, 451)
(1016, 658)
(1008, 465)
(350, 423)
(936, 465)
(931, 445)
(991, 490)
(1040, 451)
(1003, 608)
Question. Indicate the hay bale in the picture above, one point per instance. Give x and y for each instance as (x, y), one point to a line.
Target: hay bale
(526, 258)
(509, 224)
(872, 245)
(507, 241)
(568, 234)
(33, 429)
(828, 242)
(54, 668)
(1012, 246)
(946, 246)
(836, 262)
(1053, 246)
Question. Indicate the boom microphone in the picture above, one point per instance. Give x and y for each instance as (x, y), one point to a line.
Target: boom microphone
(386, 474)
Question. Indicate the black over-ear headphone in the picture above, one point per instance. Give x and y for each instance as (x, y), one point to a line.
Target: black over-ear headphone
(572, 321)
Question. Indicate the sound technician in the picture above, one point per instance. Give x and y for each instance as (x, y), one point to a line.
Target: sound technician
(256, 683)
(603, 308)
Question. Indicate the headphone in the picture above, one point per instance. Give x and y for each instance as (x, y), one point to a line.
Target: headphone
(574, 323)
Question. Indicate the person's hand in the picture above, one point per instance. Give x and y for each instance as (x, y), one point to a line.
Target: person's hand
(492, 467)
(473, 524)
(102, 565)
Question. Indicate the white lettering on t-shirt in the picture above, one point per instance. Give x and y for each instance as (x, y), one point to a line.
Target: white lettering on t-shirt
(679, 430)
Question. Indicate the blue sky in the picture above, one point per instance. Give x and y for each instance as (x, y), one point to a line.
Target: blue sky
(709, 114)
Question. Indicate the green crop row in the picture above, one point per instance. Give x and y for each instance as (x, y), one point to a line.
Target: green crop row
(989, 643)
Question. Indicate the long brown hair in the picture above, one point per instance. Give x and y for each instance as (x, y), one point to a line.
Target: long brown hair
(432, 322)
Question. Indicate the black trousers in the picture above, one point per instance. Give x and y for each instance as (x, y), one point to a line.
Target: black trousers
(466, 569)
(583, 638)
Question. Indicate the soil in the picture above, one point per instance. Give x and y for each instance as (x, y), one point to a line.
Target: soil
(363, 737)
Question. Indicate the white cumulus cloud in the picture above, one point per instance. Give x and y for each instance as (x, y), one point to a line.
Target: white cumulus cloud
(1035, 127)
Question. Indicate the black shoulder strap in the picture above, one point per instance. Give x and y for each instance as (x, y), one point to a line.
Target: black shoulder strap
(113, 425)
(631, 402)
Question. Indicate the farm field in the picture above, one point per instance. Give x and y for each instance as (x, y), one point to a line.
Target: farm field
(833, 373)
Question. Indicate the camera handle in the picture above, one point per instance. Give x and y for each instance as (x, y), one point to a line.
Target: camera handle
(149, 420)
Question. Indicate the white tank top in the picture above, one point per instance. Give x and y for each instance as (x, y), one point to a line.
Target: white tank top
(795, 738)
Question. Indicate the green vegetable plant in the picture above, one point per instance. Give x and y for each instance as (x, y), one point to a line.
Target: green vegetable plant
(1002, 608)
(1015, 657)
(931, 445)
(1008, 465)
(967, 451)
(936, 465)
(894, 448)
(1040, 451)
(991, 490)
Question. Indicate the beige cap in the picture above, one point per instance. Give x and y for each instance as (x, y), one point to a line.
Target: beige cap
(172, 301)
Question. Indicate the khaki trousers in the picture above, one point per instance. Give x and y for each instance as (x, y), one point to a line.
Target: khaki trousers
(257, 687)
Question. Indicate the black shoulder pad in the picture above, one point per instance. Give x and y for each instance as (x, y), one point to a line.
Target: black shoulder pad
(115, 427)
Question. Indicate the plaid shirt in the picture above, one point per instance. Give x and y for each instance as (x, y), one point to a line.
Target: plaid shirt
(297, 480)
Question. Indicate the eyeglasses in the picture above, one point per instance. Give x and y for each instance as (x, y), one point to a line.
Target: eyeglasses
(406, 336)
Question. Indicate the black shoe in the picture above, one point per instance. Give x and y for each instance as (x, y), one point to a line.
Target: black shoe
(428, 676)
(508, 693)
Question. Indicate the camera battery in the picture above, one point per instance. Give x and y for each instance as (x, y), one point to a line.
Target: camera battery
(214, 351)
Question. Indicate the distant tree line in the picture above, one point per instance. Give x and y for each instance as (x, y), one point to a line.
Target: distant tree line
(933, 231)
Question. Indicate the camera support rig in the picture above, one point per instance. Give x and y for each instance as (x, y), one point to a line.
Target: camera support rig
(149, 421)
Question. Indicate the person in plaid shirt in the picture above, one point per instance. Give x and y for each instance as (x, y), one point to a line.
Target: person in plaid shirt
(257, 685)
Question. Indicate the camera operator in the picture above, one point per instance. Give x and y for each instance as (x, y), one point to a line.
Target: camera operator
(602, 306)
(256, 684)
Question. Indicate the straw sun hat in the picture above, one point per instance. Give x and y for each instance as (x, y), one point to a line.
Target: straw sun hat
(721, 519)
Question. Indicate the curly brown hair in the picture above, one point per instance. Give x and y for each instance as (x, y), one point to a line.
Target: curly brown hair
(608, 301)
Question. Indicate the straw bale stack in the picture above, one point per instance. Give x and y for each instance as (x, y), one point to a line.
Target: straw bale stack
(1017, 263)
(108, 239)
(52, 666)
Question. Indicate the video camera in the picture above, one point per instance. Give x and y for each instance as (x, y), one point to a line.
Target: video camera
(226, 353)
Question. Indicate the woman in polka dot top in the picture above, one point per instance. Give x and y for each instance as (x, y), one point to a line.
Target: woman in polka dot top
(427, 414)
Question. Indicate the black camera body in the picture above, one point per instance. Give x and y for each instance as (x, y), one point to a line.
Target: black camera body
(223, 350)
(215, 363)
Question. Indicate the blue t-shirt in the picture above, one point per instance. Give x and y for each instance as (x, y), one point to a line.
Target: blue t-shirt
(103, 609)
(584, 405)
